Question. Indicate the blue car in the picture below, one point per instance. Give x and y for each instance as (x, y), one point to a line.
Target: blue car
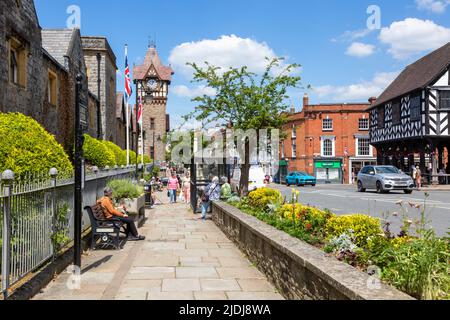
(300, 179)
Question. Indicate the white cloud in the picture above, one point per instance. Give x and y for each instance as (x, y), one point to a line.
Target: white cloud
(352, 35)
(435, 6)
(227, 51)
(358, 49)
(358, 91)
(412, 36)
(184, 91)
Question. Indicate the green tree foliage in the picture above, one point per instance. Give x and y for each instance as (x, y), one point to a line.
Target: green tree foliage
(25, 147)
(97, 153)
(245, 100)
(120, 155)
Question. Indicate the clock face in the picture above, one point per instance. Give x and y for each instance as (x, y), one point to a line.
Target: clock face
(152, 84)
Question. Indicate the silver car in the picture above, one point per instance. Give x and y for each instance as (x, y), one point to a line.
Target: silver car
(384, 179)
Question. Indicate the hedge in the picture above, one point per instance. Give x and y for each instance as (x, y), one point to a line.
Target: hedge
(96, 153)
(26, 147)
(119, 154)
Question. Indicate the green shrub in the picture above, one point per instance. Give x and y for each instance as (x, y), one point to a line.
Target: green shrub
(125, 189)
(97, 154)
(132, 157)
(419, 267)
(146, 159)
(119, 154)
(363, 227)
(25, 147)
(310, 219)
(261, 198)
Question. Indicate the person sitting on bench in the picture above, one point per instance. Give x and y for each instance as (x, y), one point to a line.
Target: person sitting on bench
(109, 211)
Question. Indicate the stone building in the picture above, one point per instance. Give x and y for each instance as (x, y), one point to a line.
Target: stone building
(64, 45)
(101, 61)
(153, 80)
(22, 84)
(328, 141)
(121, 122)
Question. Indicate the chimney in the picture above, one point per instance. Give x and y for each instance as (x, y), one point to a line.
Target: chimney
(305, 100)
(372, 100)
(292, 110)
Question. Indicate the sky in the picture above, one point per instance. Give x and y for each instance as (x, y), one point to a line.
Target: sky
(349, 50)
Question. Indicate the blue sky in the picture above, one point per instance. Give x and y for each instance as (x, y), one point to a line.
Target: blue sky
(342, 60)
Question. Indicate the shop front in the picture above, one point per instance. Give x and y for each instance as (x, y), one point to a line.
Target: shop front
(356, 164)
(328, 170)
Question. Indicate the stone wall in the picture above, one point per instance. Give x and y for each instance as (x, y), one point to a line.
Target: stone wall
(299, 271)
(92, 46)
(21, 23)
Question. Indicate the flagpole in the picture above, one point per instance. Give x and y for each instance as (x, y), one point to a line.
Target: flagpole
(128, 116)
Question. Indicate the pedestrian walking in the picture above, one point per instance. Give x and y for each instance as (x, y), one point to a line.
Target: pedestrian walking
(418, 178)
(414, 175)
(186, 187)
(173, 186)
(211, 193)
(225, 190)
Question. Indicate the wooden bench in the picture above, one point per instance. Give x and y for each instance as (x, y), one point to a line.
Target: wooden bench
(107, 230)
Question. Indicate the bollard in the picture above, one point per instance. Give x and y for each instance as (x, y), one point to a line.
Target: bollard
(7, 180)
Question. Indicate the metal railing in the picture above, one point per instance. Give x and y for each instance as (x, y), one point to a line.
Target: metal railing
(36, 218)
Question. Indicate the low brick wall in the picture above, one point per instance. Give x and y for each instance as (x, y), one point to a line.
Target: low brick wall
(298, 270)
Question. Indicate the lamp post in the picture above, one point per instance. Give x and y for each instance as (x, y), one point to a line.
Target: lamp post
(78, 174)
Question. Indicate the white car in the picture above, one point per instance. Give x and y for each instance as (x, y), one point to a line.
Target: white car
(256, 179)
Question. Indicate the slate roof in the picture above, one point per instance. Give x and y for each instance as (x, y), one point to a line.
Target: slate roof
(58, 42)
(418, 75)
(152, 58)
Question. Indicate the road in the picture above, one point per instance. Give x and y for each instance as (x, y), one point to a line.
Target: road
(342, 199)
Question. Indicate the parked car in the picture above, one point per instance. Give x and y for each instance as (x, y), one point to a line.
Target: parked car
(300, 179)
(384, 179)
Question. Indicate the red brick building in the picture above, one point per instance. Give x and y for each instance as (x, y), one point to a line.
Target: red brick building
(328, 141)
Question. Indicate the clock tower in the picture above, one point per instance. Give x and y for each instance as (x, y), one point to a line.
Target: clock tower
(153, 80)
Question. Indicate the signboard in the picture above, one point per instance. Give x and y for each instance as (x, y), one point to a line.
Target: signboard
(84, 114)
(328, 164)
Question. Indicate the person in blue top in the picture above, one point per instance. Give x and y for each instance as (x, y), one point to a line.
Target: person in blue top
(211, 193)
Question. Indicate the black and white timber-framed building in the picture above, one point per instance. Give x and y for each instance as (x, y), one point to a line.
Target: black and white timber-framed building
(409, 122)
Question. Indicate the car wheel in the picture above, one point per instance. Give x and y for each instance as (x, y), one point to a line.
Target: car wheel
(360, 187)
(313, 185)
(408, 191)
(379, 187)
(287, 183)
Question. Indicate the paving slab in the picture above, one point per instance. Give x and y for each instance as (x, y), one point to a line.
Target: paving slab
(182, 258)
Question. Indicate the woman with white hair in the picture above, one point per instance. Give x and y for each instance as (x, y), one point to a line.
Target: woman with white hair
(211, 193)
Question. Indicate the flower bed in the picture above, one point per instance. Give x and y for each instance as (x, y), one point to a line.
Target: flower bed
(417, 265)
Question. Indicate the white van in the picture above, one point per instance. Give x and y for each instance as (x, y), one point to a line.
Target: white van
(256, 179)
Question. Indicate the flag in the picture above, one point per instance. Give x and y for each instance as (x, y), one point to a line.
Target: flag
(128, 89)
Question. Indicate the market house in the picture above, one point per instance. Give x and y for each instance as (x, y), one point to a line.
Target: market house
(409, 122)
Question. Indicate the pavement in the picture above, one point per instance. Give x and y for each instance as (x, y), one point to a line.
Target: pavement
(183, 258)
(344, 199)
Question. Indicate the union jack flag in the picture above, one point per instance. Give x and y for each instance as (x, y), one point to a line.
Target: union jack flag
(128, 89)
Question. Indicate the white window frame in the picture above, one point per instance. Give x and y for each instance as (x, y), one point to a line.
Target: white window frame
(294, 150)
(357, 148)
(330, 121)
(333, 147)
(366, 120)
(294, 131)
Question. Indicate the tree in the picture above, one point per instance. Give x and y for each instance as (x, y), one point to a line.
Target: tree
(245, 100)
